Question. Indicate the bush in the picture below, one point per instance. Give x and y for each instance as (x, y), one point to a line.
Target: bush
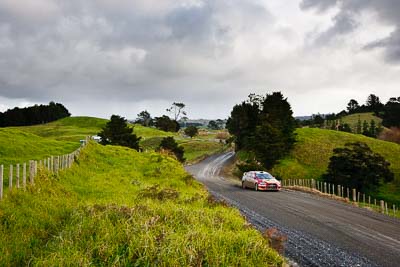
(169, 144)
(357, 166)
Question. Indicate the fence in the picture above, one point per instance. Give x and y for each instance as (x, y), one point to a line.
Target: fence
(30, 169)
(342, 192)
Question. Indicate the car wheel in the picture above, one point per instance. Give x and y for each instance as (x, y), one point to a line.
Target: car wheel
(256, 187)
(243, 185)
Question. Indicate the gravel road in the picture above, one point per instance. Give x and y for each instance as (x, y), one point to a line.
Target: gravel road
(321, 232)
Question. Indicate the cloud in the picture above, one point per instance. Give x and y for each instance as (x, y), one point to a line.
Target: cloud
(105, 56)
(349, 17)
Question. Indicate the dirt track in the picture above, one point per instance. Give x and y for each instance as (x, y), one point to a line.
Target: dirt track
(321, 232)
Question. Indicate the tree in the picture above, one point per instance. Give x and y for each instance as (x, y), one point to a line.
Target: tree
(213, 125)
(191, 131)
(169, 144)
(345, 128)
(117, 132)
(373, 131)
(318, 120)
(176, 110)
(352, 106)
(144, 118)
(391, 117)
(374, 104)
(359, 126)
(365, 128)
(164, 123)
(357, 166)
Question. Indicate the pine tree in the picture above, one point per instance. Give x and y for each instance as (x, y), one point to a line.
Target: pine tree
(359, 127)
(372, 129)
(365, 128)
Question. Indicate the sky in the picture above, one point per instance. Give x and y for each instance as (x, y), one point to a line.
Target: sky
(104, 57)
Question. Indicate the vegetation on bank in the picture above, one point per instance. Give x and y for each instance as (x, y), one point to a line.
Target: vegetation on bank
(310, 157)
(117, 206)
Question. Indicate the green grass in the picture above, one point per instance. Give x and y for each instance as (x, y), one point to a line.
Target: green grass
(310, 157)
(67, 129)
(123, 208)
(19, 146)
(352, 119)
(198, 149)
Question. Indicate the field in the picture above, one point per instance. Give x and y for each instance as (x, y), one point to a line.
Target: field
(314, 147)
(123, 208)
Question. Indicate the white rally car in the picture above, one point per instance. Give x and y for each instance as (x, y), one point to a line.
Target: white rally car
(260, 180)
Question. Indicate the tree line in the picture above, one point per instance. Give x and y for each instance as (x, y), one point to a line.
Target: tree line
(36, 114)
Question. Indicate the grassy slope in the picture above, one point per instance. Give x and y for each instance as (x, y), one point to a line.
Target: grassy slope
(76, 128)
(311, 154)
(18, 146)
(67, 129)
(352, 119)
(120, 207)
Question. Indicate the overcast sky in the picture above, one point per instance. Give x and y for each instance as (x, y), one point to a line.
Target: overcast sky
(103, 57)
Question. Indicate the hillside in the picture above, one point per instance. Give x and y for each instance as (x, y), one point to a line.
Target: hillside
(67, 129)
(120, 207)
(352, 119)
(314, 147)
(19, 146)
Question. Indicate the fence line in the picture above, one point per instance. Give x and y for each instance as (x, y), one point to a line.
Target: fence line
(342, 192)
(52, 164)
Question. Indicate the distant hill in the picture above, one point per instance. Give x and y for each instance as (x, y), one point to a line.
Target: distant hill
(310, 156)
(352, 119)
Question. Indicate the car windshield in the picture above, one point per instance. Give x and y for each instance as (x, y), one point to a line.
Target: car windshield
(264, 176)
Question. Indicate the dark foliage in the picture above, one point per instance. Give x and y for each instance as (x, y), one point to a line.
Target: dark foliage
(164, 123)
(191, 131)
(33, 115)
(169, 144)
(144, 118)
(117, 132)
(265, 126)
(356, 166)
(391, 117)
(213, 125)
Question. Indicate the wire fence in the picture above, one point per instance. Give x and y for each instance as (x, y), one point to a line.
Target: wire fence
(343, 193)
(26, 172)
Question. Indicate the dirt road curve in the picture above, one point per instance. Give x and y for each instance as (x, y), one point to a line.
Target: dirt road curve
(321, 232)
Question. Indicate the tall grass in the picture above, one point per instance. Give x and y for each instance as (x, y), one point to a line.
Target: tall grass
(120, 207)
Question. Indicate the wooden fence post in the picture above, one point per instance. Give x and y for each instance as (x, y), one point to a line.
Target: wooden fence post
(358, 196)
(10, 178)
(354, 195)
(348, 193)
(1, 181)
(324, 187)
(24, 175)
(369, 201)
(382, 206)
(35, 164)
(329, 188)
(17, 175)
(31, 171)
(386, 207)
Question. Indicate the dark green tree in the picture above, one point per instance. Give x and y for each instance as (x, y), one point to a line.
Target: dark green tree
(365, 128)
(391, 117)
(169, 144)
(164, 123)
(359, 126)
(345, 128)
(213, 125)
(374, 104)
(117, 132)
(144, 118)
(318, 120)
(191, 131)
(352, 106)
(357, 166)
(373, 131)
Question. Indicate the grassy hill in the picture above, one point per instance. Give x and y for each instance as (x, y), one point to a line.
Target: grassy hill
(352, 119)
(123, 208)
(19, 146)
(67, 129)
(311, 154)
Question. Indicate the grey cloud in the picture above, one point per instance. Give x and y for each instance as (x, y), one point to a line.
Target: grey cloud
(320, 5)
(345, 22)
